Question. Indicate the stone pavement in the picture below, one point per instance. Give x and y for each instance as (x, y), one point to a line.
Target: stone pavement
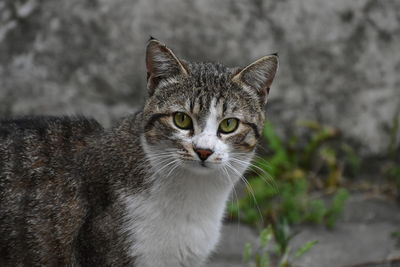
(362, 237)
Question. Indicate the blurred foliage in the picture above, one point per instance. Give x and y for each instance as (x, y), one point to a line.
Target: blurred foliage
(396, 235)
(393, 175)
(288, 186)
(336, 207)
(299, 166)
(262, 256)
(392, 168)
(394, 134)
(300, 181)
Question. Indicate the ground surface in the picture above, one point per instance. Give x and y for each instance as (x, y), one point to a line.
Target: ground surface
(361, 238)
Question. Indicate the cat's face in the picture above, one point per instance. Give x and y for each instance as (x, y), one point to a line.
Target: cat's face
(203, 117)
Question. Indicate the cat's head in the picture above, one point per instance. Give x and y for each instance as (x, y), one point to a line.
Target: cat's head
(203, 117)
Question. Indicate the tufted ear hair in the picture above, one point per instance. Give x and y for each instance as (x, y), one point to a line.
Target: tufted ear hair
(258, 76)
(161, 63)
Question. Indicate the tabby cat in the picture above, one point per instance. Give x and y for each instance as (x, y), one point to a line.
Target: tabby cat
(149, 192)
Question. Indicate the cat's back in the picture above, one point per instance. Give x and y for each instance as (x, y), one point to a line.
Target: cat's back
(67, 126)
(41, 206)
(30, 146)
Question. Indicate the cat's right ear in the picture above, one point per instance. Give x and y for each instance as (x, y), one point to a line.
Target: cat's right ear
(258, 76)
(161, 64)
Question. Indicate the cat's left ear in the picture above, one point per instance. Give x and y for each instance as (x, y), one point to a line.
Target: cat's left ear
(161, 64)
(259, 75)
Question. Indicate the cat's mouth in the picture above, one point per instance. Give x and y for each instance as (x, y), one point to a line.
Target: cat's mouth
(201, 166)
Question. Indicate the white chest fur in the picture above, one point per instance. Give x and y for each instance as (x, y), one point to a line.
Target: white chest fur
(177, 223)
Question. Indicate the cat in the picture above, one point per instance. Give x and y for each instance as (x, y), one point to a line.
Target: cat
(150, 191)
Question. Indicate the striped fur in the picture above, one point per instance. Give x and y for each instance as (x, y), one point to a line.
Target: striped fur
(75, 194)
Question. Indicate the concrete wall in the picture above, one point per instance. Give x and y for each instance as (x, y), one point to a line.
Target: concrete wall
(340, 60)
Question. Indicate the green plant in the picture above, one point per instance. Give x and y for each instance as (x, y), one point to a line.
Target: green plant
(264, 256)
(305, 248)
(336, 207)
(393, 134)
(396, 235)
(298, 167)
(316, 211)
(393, 176)
(261, 256)
(392, 170)
(352, 159)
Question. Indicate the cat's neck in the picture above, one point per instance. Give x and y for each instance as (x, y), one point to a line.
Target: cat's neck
(183, 213)
(188, 191)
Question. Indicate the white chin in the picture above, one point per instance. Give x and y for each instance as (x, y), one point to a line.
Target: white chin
(199, 167)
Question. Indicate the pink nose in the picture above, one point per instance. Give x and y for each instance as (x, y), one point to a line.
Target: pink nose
(203, 153)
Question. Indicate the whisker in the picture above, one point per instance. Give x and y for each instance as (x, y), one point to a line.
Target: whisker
(250, 190)
(174, 167)
(265, 176)
(163, 167)
(234, 196)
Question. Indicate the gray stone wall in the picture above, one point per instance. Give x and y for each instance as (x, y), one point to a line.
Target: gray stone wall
(340, 60)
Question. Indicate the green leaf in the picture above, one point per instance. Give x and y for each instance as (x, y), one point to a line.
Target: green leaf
(272, 138)
(265, 237)
(396, 234)
(247, 251)
(263, 260)
(316, 211)
(336, 207)
(305, 248)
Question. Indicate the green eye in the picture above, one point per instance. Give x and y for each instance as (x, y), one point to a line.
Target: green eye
(183, 121)
(228, 125)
